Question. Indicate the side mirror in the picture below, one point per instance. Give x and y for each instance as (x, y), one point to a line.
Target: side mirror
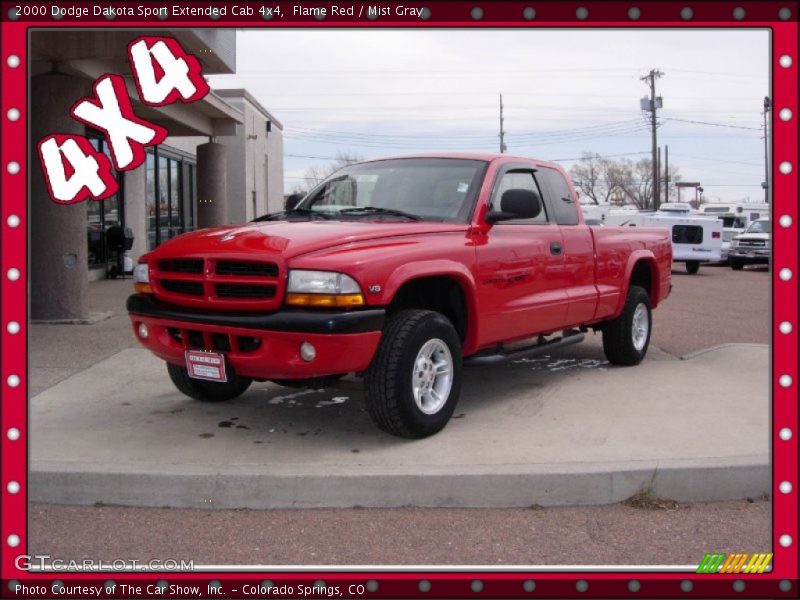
(516, 204)
(292, 201)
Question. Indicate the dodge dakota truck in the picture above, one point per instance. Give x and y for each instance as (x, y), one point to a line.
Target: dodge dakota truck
(401, 271)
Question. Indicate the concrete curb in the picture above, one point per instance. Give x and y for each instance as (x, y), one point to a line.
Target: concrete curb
(94, 317)
(692, 355)
(473, 486)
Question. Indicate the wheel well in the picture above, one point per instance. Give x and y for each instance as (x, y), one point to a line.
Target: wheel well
(642, 275)
(442, 294)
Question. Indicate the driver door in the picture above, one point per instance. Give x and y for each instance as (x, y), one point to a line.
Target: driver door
(521, 279)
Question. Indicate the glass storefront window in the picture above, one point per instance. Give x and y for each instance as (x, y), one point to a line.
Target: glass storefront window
(100, 215)
(150, 200)
(162, 165)
(170, 197)
(175, 220)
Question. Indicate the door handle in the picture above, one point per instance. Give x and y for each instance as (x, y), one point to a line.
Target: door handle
(555, 248)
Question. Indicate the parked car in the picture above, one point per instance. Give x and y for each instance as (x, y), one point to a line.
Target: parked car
(402, 271)
(753, 247)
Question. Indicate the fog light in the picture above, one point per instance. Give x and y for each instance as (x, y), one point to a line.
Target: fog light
(307, 352)
(143, 331)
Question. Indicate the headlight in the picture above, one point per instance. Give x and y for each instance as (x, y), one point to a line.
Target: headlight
(141, 278)
(141, 273)
(322, 289)
(734, 243)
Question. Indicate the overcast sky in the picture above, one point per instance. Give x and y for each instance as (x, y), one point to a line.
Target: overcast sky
(384, 92)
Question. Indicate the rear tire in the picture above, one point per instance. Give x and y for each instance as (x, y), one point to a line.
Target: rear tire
(207, 391)
(692, 267)
(414, 380)
(736, 265)
(626, 338)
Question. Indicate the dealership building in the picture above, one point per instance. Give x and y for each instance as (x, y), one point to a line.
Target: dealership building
(221, 163)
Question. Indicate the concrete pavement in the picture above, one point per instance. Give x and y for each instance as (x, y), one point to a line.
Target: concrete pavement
(566, 429)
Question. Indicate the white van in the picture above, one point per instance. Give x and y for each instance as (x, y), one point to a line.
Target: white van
(695, 238)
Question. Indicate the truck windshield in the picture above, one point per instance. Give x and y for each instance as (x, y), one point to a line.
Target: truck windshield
(437, 189)
(759, 227)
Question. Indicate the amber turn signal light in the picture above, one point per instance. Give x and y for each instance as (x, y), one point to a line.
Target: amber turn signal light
(325, 300)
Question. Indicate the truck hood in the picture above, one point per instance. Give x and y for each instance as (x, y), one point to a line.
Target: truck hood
(294, 238)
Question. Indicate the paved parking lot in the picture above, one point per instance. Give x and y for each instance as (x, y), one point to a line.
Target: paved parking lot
(715, 307)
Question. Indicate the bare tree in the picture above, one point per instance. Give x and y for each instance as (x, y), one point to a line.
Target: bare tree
(586, 175)
(597, 178)
(317, 174)
(636, 182)
(622, 181)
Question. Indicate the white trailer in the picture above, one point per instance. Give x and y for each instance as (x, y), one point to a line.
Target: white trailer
(737, 215)
(695, 238)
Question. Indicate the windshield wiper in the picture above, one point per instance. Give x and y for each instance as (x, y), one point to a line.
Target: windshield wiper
(378, 210)
(304, 212)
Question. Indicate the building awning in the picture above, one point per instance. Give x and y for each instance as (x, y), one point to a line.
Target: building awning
(92, 53)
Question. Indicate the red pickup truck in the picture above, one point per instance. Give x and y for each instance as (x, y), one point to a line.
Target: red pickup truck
(402, 271)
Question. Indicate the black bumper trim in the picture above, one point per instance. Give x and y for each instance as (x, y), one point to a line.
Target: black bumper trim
(356, 321)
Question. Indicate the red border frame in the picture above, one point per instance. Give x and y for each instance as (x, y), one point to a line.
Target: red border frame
(15, 145)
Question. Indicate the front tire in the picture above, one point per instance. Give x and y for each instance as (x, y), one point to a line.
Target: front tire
(207, 391)
(414, 380)
(626, 338)
(692, 267)
(736, 264)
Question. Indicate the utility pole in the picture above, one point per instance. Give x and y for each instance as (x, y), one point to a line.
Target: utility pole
(765, 185)
(666, 173)
(502, 132)
(657, 197)
(653, 105)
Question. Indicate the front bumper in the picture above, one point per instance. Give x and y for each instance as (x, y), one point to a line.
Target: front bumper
(262, 346)
(750, 255)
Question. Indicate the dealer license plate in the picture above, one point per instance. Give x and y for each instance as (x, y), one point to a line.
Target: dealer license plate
(206, 365)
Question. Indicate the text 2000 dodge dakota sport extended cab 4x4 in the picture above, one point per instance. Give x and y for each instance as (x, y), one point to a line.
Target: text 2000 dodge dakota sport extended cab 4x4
(402, 271)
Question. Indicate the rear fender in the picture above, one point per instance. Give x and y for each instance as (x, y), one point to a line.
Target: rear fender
(655, 278)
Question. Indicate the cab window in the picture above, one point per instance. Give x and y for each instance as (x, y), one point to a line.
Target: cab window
(519, 180)
(564, 207)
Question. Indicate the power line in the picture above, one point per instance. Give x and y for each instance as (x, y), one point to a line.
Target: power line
(600, 156)
(306, 132)
(721, 160)
(713, 124)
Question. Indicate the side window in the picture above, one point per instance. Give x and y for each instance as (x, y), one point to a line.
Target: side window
(687, 234)
(564, 208)
(519, 180)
